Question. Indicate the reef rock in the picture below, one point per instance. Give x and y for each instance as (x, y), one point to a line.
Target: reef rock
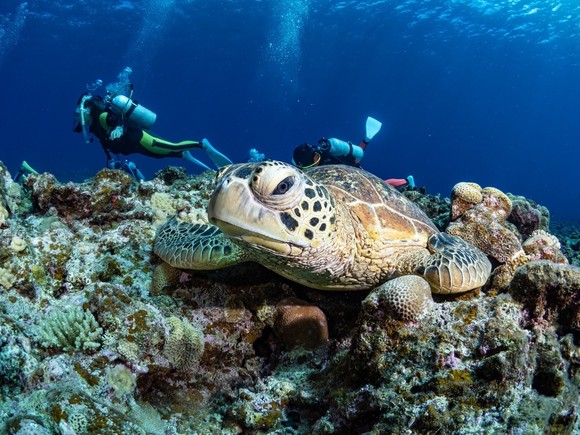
(509, 229)
(550, 294)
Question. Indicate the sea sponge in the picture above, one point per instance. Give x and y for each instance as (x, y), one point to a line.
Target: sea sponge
(184, 344)
(71, 328)
(407, 298)
(299, 323)
(464, 196)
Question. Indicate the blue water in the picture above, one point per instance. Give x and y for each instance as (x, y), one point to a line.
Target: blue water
(473, 90)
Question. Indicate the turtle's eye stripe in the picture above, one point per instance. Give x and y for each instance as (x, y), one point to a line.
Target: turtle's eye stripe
(284, 186)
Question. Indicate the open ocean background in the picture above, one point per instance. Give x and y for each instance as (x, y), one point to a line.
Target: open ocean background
(467, 90)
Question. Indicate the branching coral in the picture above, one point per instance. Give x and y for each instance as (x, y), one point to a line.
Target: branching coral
(70, 329)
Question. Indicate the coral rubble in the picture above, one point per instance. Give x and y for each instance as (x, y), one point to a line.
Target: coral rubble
(93, 341)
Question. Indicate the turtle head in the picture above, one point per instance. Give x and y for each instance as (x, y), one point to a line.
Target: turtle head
(271, 206)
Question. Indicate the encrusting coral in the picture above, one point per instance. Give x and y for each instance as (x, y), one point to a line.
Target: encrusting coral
(87, 345)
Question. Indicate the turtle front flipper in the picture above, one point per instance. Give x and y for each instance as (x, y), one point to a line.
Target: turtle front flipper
(454, 265)
(195, 246)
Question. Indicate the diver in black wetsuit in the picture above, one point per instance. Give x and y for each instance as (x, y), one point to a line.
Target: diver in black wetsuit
(121, 126)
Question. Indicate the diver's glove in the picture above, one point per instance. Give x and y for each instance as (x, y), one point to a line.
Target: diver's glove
(116, 133)
(218, 158)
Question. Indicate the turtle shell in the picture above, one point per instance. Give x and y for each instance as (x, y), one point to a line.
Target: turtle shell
(383, 211)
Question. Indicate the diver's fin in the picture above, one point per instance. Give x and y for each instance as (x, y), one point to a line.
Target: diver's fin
(218, 158)
(187, 156)
(27, 168)
(372, 128)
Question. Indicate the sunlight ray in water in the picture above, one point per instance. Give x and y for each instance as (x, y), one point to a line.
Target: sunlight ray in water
(10, 27)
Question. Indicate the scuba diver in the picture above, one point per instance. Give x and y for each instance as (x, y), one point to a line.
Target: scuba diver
(339, 152)
(121, 125)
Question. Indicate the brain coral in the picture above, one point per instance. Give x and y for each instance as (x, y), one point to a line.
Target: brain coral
(407, 297)
(184, 344)
(464, 195)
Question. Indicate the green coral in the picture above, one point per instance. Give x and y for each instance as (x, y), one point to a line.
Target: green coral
(70, 329)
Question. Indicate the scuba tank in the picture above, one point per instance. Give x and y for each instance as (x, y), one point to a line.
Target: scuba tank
(132, 111)
(339, 148)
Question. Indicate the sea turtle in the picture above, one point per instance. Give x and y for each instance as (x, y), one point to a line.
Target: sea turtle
(331, 227)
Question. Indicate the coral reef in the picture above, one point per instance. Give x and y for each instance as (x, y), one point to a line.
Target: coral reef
(527, 215)
(510, 234)
(92, 341)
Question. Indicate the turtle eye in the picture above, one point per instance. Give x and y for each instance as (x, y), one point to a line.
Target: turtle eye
(283, 186)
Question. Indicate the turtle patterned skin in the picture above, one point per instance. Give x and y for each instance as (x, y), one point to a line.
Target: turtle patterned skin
(331, 227)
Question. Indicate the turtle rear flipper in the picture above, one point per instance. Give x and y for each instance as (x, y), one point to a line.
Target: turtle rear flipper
(454, 265)
(195, 246)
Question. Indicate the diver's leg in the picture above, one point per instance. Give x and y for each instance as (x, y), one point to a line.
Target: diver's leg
(187, 156)
(218, 158)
